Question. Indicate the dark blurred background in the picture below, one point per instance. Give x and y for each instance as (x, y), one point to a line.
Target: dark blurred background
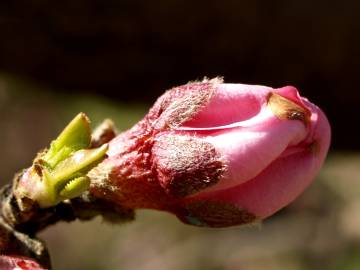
(134, 50)
(114, 58)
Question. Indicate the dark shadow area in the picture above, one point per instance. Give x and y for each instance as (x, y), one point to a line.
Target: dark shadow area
(134, 50)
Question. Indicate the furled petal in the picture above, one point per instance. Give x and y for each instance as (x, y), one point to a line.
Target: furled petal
(280, 182)
(229, 104)
(244, 129)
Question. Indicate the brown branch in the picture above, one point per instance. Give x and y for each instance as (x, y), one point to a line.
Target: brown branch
(18, 228)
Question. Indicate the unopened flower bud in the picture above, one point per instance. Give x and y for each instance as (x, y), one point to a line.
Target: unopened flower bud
(216, 154)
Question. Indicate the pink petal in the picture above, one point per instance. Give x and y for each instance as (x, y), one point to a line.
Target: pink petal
(231, 103)
(282, 181)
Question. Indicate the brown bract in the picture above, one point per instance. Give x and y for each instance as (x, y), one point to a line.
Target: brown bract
(286, 109)
(185, 164)
(130, 178)
(215, 214)
(181, 103)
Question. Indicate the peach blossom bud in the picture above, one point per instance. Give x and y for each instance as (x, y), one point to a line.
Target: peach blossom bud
(217, 154)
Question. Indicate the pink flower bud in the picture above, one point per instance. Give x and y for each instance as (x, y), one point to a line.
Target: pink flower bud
(217, 154)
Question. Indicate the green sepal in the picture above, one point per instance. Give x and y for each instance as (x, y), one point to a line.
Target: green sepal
(75, 187)
(60, 172)
(76, 164)
(75, 136)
